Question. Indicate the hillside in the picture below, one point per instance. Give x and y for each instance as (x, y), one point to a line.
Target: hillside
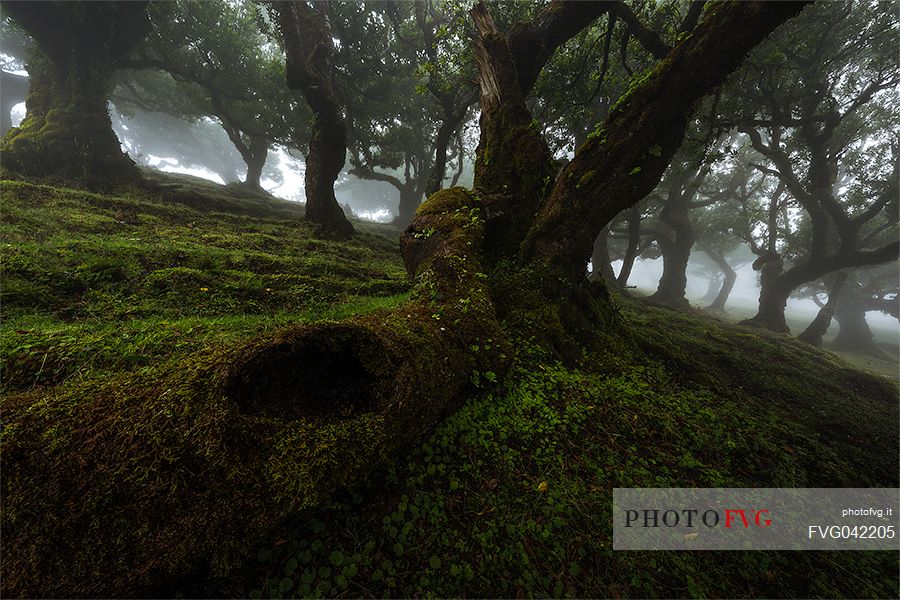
(112, 302)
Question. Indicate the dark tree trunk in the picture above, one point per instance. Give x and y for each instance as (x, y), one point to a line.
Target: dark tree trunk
(777, 286)
(410, 199)
(771, 311)
(729, 277)
(13, 90)
(308, 46)
(773, 294)
(67, 131)
(816, 330)
(256, 162)
(634, 243)
(676, 254)
(611, 172)
(513, 165)
(600, 262)
(453, 119)
(854, 334)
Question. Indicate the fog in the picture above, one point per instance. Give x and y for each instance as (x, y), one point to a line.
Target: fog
(744, 298)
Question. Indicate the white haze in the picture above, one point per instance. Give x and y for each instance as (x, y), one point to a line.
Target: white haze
(744, 298)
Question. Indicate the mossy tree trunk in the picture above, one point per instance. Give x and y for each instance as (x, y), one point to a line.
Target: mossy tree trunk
(615, 168)
(309, 48)
(270, 428)
(67, 130)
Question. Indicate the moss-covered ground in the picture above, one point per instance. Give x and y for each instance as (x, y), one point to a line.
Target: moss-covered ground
(510, 496)
(94, 284)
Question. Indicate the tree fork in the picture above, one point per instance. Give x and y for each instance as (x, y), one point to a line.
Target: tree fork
(625, 158)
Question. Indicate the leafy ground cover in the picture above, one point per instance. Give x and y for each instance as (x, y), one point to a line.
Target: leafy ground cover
(510, 496)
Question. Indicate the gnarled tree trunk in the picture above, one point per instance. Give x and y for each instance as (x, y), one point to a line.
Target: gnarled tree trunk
(67, 131)
(308, 45)
(817, 329)
(728, 279)
(672, 284)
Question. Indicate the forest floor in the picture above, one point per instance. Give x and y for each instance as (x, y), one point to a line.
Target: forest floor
(510, 496)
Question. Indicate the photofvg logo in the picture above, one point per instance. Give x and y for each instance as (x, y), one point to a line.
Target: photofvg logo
(756, 519)
(656, 517)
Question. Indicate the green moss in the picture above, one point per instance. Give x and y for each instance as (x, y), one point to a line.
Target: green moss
(585, 178)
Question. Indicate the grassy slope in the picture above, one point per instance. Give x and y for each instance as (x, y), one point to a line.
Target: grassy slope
(94, 285)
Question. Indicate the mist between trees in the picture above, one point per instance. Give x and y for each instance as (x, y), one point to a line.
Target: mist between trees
(795, 159)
